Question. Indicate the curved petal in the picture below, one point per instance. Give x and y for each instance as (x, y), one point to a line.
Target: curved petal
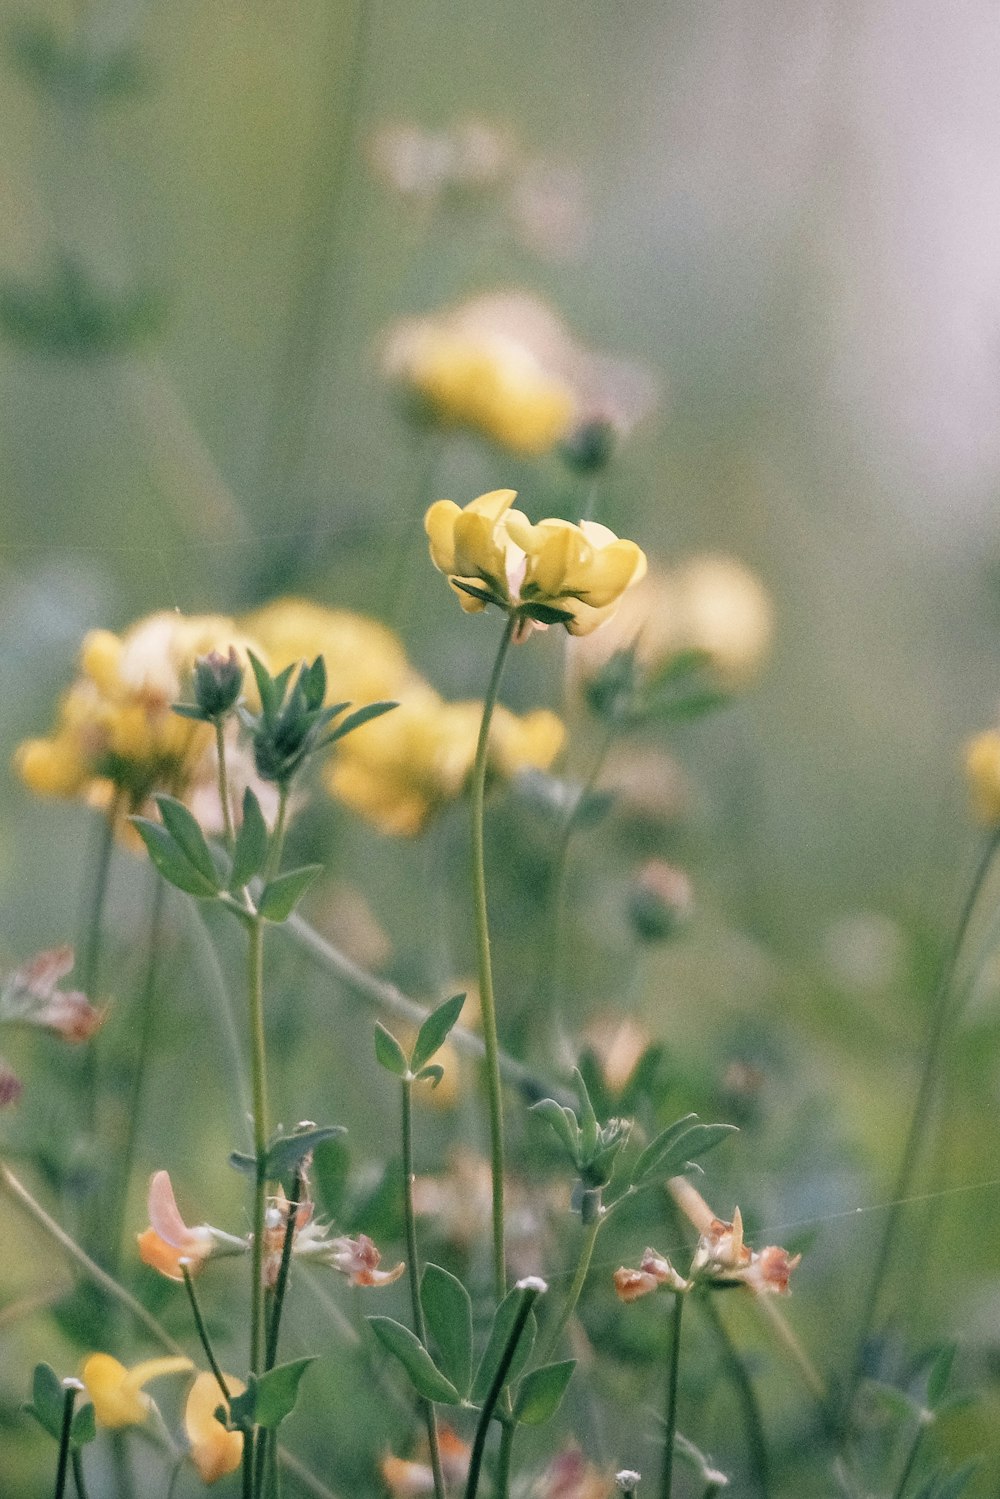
(214, 1450)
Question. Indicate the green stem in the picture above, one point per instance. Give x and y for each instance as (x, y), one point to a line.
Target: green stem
(413, 1269)
(206, 1342)
(529, 1296)
(508, 1431)
(911, 1456)
(941, 1015)
(277, 843)
(91, 961)
(673, 1372)
(226, 805)
(76, 1458)
(258, 1088)
(745, 1394)
(281, 1284)
(575, 1290)
(485, 966)
(70, 1392)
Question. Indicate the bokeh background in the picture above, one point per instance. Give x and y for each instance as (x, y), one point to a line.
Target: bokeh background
(789, 212)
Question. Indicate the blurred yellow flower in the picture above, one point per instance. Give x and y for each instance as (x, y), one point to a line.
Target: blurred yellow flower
(365, 661)
(398, 771)
(117, 1392)
(492, 554)
(214, 1450)
(982, 769)
(505, 366)
(116, 739)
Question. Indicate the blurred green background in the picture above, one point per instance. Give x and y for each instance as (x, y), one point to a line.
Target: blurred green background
(789, 212)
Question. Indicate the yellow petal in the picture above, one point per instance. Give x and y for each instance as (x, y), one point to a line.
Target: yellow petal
(439, 523)
(214, 1450)
(493, 504)
(117, 1392)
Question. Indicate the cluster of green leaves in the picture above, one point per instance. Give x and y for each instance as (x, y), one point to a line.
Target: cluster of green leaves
(48, 1406)
(431, 1037)
(626, 694)
(286, 1151)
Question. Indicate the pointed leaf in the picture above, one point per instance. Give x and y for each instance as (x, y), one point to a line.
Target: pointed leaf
(47, 1397)
(563, 1121)
(541, 1392)
(432, 1074)
(649, 1159)
(281, 895)
(388, 1052)
(448, 1311)
(190, 710)
(426, 1378)
(278, 1390)
(84, 1427)
(174, 866)
(937, 1379)
(187, 834)
(474, 592)
(589, 1127)
(503, 1326)
(361, 716)
(285, 1153)
(240, 1161)
(435, 1030)
(251, 843)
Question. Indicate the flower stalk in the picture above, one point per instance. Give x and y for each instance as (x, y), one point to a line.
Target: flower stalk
(413, 1268)
(71, 1388)
(673, 1373)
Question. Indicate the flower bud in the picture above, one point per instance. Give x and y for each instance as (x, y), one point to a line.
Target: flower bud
(218, 682)
(660, 901)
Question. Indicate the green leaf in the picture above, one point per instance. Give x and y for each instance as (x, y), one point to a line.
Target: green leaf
(84, 1427)
(435, 1030)
(678, 1147)
(281, 895)
(187, 834)
(190, 710)
(503, 1326)
(541, 1392)
(172, 863)
(388, 1052)
(432, 1074)
(589, 1127)
(448, 1311)
(47, 1397)
(277, 1391)
(240, 1161)
(563, 1121)
(251, 843)
(287, 1151)
(425, 1376)
(940, 1374)
(649, 1159)
(331, 1176)
(355, 720)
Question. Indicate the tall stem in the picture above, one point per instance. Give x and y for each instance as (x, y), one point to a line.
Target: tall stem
(258, 1086)
(508, 1431)
(223, 775)
(76, 1458)
(941, 1016)
(70, 1392)
(206, 1342)
(413, 1266)
(91, 960)
(529, 1297)
(745, 1394)
(485, 966)
(574, 1292)
(673, 1371)
(281, 1284)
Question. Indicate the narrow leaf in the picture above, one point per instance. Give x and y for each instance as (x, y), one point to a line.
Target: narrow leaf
(285, 1153)
(278, 1390)
(699, 1140)
(426, 1378)
(188, 836)
(361, 716)
(541, 1392)
(175, 868)
(240, 1161)
(281, 895)
(388, 1052)
(503, 1325)
(474, 592)
(589, 1127)
(650, 1158)
(434, 1031)
(448, 1311)
(562, 1120)
(251, 843)
(937, 1379)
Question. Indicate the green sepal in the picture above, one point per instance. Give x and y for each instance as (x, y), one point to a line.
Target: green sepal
(503, 1326)
(186, 832)
(171, 861)
(190, 710)
(281, 895)
(448, 1311)
(435, 1030)
(250, 849)
(269, 1398)
(357, 719)
(540, 1393)
(546, 614)
(388, 1052)
(425, 1376)
(477, 593)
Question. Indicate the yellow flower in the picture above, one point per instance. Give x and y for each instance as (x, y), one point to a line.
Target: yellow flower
(399, 770)
(365, 661)
(982, 769)
(117, 1392)
(214, 1450)
(553, 572)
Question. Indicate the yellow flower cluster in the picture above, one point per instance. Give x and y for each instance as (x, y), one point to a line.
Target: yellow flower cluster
(552, 572)
(117, 741)
(982, 769)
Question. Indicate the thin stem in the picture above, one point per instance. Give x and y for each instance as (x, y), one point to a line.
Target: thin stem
(485, 966)
(941, 1015)
(746, 1395)
(811, 1377)
(673, 1372)
(508, 1431)
(258, 1085)
(223, 774)
(911, 1456)
(281, 1284)
(76, 1458)
(91, 962)
(277, 842)
(70, 1392)
(529, 1297)
(575, 1290)
(206, 1341)
(413, 1268)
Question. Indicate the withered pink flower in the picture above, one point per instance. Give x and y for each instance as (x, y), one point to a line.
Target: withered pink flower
(359, 1260)
(30, 996)
(654, 1271)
